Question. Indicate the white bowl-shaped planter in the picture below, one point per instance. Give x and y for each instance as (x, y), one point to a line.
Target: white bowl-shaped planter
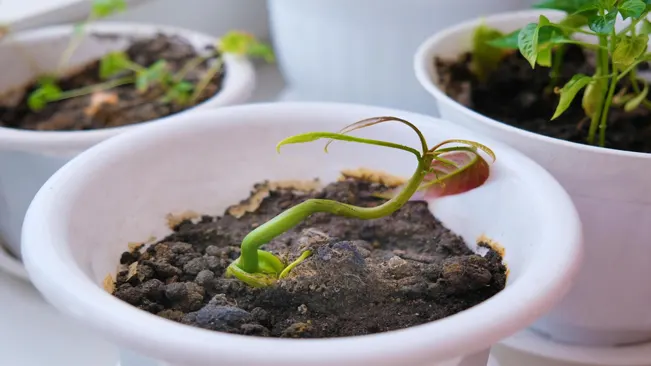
(206, 161)
(610, 303)
(360, 51)
(28, 158)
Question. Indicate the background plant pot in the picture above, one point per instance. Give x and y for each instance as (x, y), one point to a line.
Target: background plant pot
(28, 158)
(610, 303)
(213, 17)
(361, 51)
(79, 224)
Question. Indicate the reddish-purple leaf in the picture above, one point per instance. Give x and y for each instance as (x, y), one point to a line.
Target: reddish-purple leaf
(469, 171)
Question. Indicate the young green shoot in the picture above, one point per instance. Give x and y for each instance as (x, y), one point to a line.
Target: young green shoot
(618, 54)
(450, 167)
(117, 69)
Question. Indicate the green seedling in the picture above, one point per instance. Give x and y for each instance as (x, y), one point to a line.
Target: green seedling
(618, 54)
(117, 69)
(441, 170)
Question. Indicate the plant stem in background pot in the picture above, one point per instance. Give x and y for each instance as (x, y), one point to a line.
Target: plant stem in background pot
(440, 171)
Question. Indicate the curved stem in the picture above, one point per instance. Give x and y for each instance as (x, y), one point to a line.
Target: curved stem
(609, 98)
(288, 219)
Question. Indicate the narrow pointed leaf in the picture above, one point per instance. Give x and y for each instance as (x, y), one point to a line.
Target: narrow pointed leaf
(368, 122)
(314, 136)
(568, 6)
(507, 42)
(569, 91)
(476, 145)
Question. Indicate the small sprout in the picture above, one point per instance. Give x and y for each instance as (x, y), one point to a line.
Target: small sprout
(180, 93)
(618, 52)
(157, 73)
(47, 92)
(114, 63)
(440, 171)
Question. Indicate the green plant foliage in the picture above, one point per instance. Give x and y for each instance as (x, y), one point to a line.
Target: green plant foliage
(618, 53)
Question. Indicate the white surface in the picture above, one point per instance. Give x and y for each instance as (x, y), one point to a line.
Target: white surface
(28, 158)
(360, 51)
(612, 191)
(533, 343)
(68, 252)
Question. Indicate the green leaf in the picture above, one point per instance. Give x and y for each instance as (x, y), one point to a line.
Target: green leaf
(608, 4)
(245, 44)
(646, 26)
(632, 9)
(180, 93)
(628, 49)
(528, 42)
(569, 91)
(156, 73)
(592, 97)
(313, 136)
(104, 8)
(113, 63)
(603, 24)
(508, 42)
(40, 97)
(485, 58)
(545, 57)
(635, 102)
(568, 6)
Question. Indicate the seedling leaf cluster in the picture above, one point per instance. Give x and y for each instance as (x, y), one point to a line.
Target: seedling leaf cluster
(117, 69)
(591, 25)
(450, 167)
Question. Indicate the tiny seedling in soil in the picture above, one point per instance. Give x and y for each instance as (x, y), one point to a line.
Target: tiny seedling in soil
(574, 79)
(368, 241)
(127, 86)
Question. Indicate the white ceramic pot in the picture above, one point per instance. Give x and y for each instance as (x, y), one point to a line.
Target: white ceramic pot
(361, 51)
(611, 302)
(204, 161)
(28, 158)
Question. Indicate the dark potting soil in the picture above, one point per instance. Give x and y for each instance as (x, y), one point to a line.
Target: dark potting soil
(366, 276)
(520, 96)
(129, 107)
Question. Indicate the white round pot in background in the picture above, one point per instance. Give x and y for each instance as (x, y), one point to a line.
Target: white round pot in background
(28, 158)
(361, 51)
(76, 229)
(213, 17)
(611, 302)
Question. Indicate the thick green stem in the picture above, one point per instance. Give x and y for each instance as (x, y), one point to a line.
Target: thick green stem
(601, 70)
(288, 219)
(557, 65)
(609, 97)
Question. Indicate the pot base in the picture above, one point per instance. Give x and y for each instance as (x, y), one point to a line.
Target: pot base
(534, 343)
(492, 361)
(589, 338)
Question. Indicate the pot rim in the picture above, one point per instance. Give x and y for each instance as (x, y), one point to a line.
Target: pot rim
(424, 67)
(236, 87)
(517, 306)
